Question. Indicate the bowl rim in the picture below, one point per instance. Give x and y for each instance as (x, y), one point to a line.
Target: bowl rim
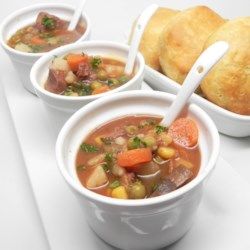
(37, 7)
(66, 49)
(143, 202)
(199, 99)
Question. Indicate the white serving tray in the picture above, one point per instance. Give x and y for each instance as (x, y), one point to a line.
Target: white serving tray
(222, 221)
(227, 122)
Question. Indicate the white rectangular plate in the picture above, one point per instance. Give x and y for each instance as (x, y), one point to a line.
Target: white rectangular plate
(221, 222)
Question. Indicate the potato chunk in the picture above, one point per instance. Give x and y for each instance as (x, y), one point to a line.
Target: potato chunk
(23, 47)
(60, 64)
(117, 170)
(113, 70)
(97, 178)
(70, 77)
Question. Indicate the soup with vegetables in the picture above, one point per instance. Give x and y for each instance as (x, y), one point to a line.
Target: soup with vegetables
(134, 157)
(82, 75)
(47, 33)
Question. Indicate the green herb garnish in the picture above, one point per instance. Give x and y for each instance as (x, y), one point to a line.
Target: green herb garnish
(48, 23)
(136, 142)
(88, 148)
(114, 184)
(109, 158)
(84, 90)
(105, 167)
(159, 129)
(95, 62)
(106, 140)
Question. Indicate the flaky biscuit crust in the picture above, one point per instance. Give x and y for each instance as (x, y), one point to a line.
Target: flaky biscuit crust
(228, 83)
(183, 38)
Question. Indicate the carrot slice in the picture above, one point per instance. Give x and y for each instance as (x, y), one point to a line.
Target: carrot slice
(36, 40)
(131, 158)
(184, 132)
(74, 60)
(100, 90)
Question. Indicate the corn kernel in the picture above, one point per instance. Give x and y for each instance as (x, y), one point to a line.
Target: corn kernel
(166, 152)
(119, 193)
(98, 140)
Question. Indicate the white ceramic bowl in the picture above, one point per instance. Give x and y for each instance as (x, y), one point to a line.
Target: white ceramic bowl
(62, 107)
(23, 61)
(227, 122)
(136, 224)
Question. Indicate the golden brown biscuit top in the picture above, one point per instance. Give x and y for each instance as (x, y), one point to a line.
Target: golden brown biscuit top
(183, 39)
(228, 83)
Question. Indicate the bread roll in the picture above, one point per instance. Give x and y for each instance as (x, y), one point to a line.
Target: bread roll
(228, 83)
(183, 38)
(149, 41)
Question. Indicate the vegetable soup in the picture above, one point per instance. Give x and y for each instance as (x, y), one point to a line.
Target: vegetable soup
(134, 157)
(81, 75)
(47, 33)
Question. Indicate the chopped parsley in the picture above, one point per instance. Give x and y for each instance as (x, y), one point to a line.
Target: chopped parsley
(95, 62)
(80, 88)
(88, 148)
(159, 129)
(84, 90)
(136, 142)
(114, 184)
(109, 158)
(105, 167)
(108, 162)
(48, 23)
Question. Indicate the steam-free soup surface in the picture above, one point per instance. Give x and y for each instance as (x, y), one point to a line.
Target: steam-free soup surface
(47, 33)
(79, 74)
(134, 157)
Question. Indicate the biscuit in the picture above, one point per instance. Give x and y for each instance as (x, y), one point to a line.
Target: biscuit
(228, 83)
(149, 41)
(183, 38)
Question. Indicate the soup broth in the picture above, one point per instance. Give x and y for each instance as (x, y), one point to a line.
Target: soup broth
(134, 157)
(81, 75)
(47, 33)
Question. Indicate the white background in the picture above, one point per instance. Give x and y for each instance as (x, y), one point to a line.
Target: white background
(20, 225)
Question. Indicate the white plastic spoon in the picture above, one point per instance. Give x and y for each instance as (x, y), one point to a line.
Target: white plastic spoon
(199, 70)
(138, 31)
(76, 16)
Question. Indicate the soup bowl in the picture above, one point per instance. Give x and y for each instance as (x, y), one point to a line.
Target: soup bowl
(23, 61)
(61, 107)
(144, 223)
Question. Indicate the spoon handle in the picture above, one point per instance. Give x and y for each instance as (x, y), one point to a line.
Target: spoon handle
(138, 31)
(198, 71)
(76, 16)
